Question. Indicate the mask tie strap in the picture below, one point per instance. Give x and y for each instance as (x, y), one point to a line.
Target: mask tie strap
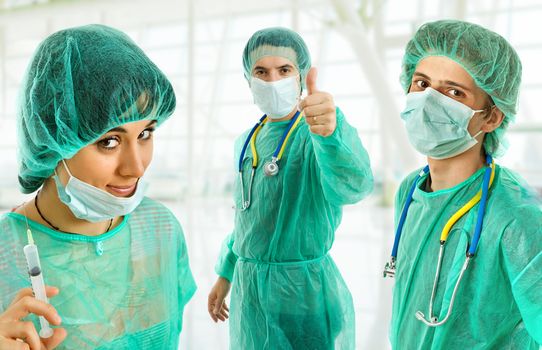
(477, 134)
(66, 167)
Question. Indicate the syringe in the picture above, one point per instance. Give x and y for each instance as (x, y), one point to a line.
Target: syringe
(36, 278)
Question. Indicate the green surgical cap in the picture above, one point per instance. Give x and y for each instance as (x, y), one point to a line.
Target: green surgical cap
(490, 60)
(81, 83)
(277, 41)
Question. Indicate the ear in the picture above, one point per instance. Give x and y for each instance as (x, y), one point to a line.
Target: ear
(493, 121)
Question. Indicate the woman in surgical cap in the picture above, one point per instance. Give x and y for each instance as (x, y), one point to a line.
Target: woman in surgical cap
(286, 292)
(114, 261)
(468, 252)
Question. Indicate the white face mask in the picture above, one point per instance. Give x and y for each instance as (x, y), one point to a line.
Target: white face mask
(437, 125)
(276, 98)
(93, 204)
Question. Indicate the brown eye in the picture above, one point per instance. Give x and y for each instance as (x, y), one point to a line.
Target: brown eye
(108, 143)
(422, 84)
(456, 93)
(146, 134)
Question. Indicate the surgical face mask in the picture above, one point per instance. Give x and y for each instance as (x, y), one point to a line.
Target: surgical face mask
(93, 204)
(276, 98)
(437, 124)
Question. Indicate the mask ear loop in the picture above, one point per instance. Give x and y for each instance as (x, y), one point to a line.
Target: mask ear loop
(67, 170)
(491, 106)
(488, 111)
(477, 134)
(65, 167)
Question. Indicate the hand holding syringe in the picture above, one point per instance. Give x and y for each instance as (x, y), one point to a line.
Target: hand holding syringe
(36, 278)
(13, 328)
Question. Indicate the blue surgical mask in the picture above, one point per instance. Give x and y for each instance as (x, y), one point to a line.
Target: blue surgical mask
(437, 125)
(93, 204)
(276, 98)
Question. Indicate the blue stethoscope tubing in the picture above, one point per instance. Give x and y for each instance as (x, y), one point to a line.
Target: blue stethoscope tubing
(247, 141)
(277, 150)
(481, 209)
(245, 202)
(389, 270)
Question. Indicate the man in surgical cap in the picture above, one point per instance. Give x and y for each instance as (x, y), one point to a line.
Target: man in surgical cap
(287, 292)
(463, 82)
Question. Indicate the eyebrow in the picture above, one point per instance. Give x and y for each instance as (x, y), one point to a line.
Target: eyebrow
(124, 131)
(283, 66)
(447, 82)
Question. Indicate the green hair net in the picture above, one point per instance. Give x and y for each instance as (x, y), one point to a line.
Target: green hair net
(490, 60)
(277, 41)
(81, 83)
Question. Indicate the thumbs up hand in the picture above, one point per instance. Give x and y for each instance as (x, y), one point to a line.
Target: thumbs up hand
(318, 108)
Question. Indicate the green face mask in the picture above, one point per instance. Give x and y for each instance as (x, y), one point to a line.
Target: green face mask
(437, 124)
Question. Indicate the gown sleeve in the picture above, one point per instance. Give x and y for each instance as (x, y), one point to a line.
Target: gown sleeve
(186, 283)
(225, 266)
(344, 167)
(521, 247)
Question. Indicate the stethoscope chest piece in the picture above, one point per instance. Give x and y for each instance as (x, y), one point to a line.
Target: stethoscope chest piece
(271, 168)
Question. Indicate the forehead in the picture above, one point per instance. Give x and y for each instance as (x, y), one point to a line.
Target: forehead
(133, 127)
(440, 68)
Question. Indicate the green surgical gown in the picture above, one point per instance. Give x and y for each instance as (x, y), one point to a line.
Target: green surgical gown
(499, 301)
(287, 292)
(125, 289)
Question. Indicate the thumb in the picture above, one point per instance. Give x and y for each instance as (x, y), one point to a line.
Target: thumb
(311, 81)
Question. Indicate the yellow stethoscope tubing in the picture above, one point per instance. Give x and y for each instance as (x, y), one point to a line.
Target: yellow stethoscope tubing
(464, 209)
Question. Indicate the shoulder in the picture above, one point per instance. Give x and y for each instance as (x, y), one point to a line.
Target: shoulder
(4, 218)
(152, 218)
(510, 183)
(515, 201)
(12, 261)
(240, 140)
(151, 212)
(404, 188)
(7, 223)
(11, 235)
(515, 210)
(149, 205)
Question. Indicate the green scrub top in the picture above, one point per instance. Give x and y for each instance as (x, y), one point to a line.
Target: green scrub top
(287, 292)
(499, 301)
(125, 289)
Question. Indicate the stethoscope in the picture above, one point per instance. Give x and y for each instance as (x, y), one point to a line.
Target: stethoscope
(270, 168)
(481, 196)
